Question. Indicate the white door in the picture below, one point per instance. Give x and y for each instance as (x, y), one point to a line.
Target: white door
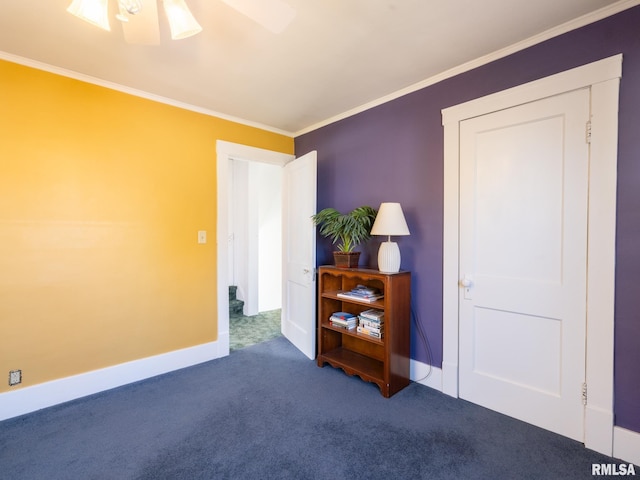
(523, 251)
(299, 254)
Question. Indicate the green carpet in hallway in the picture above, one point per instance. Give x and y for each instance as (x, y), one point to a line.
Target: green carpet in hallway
(245, 331)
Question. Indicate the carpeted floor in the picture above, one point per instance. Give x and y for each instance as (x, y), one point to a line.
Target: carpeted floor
(268, 412)
(245, 331)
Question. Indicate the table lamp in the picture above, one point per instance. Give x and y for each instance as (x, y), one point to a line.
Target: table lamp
(389, 221)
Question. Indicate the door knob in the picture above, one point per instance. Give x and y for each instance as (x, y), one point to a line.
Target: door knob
(467, 283)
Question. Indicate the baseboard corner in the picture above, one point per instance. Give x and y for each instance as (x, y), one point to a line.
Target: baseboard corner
(626, 445)
(426, 374)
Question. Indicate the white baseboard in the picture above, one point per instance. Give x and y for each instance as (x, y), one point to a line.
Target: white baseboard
(450, 379)
(29, 399)
(598, 429)
(425, 374)
(626, 445)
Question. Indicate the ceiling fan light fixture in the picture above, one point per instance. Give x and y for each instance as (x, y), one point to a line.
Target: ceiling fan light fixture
(181, 21)
(131, 6)
(93, 11)
(128, 7)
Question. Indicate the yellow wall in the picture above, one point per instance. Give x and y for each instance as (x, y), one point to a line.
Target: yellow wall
(101, 197)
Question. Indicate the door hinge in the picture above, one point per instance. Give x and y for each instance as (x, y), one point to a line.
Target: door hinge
(584, 393)
(588, 132)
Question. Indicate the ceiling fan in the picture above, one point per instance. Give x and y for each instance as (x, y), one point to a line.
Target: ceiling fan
(140, 20)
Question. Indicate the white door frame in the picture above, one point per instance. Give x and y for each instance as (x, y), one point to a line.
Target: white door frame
(226, 151)
(603, 77)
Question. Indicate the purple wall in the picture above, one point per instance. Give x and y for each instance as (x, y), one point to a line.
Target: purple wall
(394, 152)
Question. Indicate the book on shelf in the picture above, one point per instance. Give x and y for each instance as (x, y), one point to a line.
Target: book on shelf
(371, 325)
(363, 322)
(343, 319)
(373, 314)
(343, 315)
(339, 325)
(370, 332)
(350, 321)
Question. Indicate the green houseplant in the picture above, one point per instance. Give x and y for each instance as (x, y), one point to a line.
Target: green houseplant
(347, 230)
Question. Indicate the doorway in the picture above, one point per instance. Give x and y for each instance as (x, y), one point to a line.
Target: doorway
(602, 79)
(226, 153)
(255, 252)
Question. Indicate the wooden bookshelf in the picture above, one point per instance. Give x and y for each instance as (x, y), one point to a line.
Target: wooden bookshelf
(384, 361)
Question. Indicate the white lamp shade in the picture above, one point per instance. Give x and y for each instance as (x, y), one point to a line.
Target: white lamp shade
(181, 22)
(390, 220)
(95, 12)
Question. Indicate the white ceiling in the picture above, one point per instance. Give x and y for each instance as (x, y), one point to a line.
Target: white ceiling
(336, 57)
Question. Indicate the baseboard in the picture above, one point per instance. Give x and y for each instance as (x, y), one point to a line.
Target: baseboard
(626, 445)
(598, 433)
(29, 399)
(425, 374)
(450, 379)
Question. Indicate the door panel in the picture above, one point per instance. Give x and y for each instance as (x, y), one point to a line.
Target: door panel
(523, 244)
(299, 254)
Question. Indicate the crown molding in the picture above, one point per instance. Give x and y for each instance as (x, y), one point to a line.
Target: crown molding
(478, 62)
(27, 62)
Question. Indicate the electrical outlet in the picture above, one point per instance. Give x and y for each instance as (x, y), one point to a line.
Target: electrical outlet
(15, 377)
(202, 236)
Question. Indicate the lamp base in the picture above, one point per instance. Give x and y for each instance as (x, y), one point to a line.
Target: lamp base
(389, 257)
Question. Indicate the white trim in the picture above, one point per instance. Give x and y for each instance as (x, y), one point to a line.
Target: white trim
(601, 265)
(478, 62)
(226, 151)
(598, 425)
(603, 78)
(425, 374)
(579, 77)
(27, 62)
(29, 399)
(626, 445)
(465, 67)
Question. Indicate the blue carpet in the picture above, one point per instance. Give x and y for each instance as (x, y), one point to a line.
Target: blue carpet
(268, 412)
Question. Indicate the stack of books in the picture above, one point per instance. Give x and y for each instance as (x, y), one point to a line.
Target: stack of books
(363, 294)
(343, 320)
(371, 322)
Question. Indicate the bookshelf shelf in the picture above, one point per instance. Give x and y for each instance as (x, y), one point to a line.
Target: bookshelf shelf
(353, 333)
(384, 361)
(334, 295)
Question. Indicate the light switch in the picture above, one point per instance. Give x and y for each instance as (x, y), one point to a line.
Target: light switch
(202, 236)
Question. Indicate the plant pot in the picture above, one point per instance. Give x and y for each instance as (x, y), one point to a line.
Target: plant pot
(346, 259)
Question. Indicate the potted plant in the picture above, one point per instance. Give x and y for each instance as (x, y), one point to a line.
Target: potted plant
(347, 231)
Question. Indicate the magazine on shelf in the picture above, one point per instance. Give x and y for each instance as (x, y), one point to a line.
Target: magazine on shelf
(363, 294)
(354, 296)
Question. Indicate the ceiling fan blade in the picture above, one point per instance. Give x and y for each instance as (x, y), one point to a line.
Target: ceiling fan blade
(274, 15)
(143, 27)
